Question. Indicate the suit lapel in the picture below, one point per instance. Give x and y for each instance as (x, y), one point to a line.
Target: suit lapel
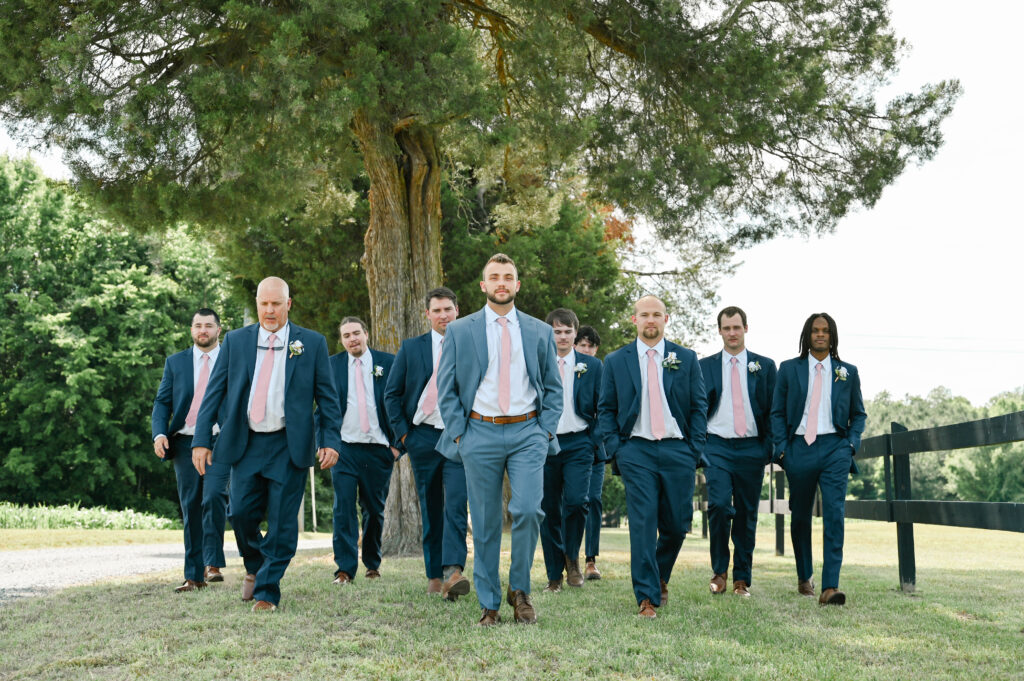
(576, 380)
(752, 382)
(836, 364)
(250, 352)
(801, 379)
(478, 328)
(378, 386)
(528, 333)
(295, 334)
(716, 380)
(427, 354)
(343, 380)
(667, 374)
(633, 366)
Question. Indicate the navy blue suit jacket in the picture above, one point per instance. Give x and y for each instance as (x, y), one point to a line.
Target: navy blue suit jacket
(174, 396)
(464, 363)
(307, 378)
(339, 368)
(848, 415)
(409, 375)
(586, 392)
(619, 406)
(760, 387)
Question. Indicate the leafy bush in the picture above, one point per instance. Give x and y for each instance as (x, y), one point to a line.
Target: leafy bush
(71, 516)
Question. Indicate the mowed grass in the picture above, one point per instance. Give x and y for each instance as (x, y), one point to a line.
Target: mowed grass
(965, 621)
(11, 540)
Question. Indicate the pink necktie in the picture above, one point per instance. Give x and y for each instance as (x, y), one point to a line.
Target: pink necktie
(504, 368)
(430, 397)
(259, 399)
(811, 434)
(197, 398)
(654, 397)
(739, 417)
(364, 418)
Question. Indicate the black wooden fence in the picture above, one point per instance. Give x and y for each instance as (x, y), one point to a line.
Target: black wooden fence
(899, 506)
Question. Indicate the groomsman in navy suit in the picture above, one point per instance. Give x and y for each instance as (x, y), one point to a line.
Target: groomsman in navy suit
(740, 385)
(204, 498)
(653, 419)
(411, 401)
(567, 473)
(587, 343)
(500, 398)
(817, 420)
(266, 380)
(366, 457)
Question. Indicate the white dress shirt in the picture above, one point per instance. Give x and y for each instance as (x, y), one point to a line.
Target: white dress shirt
(350, 428)
(570, 421)
(721, 424)
(523, 396)
(434, 418)
(274, 418)
(642, 427)
(197, 367)
(825, 408)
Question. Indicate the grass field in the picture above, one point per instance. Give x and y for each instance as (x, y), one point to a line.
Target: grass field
(11, 540)
(965, 621)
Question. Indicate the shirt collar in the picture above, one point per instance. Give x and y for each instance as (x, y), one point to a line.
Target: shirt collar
(826, 364)
(281, 334)
(492, 316)
(366, 359)
(741, 357)
(570, 359)
(435, 338)
(197, 354)
(642, 348)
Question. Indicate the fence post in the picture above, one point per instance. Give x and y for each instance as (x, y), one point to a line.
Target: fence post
(904, 530)
(780, 519)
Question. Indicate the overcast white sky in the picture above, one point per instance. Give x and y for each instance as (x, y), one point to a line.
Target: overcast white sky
(924, 287)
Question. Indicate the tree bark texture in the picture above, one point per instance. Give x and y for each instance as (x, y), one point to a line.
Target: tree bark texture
(402, 262)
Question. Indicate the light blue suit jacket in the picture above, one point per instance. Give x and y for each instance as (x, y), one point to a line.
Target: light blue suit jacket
(464, 363)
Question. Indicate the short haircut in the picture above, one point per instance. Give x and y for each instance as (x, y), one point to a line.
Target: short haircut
(207, 312)
(588, 333)
(565, 317)
(833, 336)
(502, 259)
(649, 295)
(441, 292)
(353, 320)
(731, 311)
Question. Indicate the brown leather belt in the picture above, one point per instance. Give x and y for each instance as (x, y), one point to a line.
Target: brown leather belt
(503, 420)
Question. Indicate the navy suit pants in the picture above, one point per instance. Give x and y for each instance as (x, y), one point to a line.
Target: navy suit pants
(595, 510)
(441, 486)
(734, 473)
(363, 470)
(659, 477)
(204, 502)
(565, 501)
(824, 464)
(264, 481)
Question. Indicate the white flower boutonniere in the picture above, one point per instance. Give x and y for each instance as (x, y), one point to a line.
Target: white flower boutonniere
(580, 369)
(295, 349)
(753, 367)
(841, 374)
(378, 371)
(671, 361)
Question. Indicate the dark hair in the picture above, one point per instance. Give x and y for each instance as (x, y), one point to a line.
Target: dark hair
(441, 292)
(499, 258)
(729, 312)
(563, 316)
(207, 312)
(588, 333)
(353, 320)
(833, 336)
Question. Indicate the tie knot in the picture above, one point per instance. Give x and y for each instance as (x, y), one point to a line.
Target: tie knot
(205, 357)
(561, 361)
(818, 366)
(271, 340)
(651, 353)
(503, 321)
(734, 361)
(358, 361)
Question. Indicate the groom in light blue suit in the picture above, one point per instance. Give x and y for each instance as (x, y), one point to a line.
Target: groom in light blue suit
(500, 397)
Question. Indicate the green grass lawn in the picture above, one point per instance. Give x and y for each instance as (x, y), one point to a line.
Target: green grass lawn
(965, 621)
(11, 540)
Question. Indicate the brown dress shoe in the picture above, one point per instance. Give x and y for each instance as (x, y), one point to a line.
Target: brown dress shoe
(741, 588)
(522, 608)
(832, 597)
(341, 577)
(717, 584)
(647, 610)
(263, 606)
(573, 576)
(248, 586)
(189, 585)
(213, 574)
(554, 586)
(456, 585)
(664, 592)
(373, 574)
(489, 618)
(591, 572)
(806, 588)
(434, 586)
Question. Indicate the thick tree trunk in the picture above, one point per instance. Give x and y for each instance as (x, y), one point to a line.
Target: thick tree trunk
(402, 262)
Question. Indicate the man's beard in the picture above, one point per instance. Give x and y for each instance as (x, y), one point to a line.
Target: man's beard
(208, 345)
(651, 333)
(511, 297)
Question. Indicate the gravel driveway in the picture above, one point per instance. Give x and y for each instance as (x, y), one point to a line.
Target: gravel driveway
(33, 572)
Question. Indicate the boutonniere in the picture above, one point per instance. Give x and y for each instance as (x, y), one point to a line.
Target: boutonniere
(841, 374)
(295, 349)
(671, 361)
(753, 367)
(378, 371)
(580, 369)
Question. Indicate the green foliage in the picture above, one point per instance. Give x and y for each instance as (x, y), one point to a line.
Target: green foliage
(992, 473)
(15, 517)
(90, 312)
